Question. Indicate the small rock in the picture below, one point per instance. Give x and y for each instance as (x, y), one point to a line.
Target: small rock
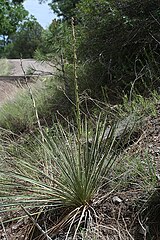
(150, 145)
(116, 200)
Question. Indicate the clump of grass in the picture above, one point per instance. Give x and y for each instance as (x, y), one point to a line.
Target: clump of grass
(138, 172)
(18, 115)
(139, 106)
(5, 68)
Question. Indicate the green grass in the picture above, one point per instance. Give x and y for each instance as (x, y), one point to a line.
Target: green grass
(4, 67)
(138, 172)
(18, 115)
(139, 106)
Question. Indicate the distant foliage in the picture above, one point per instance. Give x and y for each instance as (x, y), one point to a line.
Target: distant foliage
(20, 35)
(66, 8)
(120, 37)
(25, 41)
(11, 15)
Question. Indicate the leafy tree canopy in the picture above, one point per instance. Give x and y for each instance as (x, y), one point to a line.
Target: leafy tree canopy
(64, 8)
(119, 35)
(11, 15)
(116, 39)
(17, 1)
(25, 41)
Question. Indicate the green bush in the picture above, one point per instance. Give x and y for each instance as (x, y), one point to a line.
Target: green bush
(117, 45)
(120, 42)
(5, 67)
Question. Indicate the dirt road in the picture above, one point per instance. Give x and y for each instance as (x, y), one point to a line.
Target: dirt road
(8, 89)
(30, 66)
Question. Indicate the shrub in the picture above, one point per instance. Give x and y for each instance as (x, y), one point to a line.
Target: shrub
(119, 41)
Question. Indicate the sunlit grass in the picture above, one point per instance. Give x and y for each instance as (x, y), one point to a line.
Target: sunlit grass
(18, 114)
(4, 67)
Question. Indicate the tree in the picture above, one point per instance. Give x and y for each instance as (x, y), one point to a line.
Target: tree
(11, 15)
(17, 1)
(120, 38)
(64, 8)
(26, 40)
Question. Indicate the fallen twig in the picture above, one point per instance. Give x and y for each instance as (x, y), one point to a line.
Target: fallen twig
(36, 224)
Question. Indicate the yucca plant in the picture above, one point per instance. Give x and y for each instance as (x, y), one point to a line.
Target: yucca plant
(68, 175)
